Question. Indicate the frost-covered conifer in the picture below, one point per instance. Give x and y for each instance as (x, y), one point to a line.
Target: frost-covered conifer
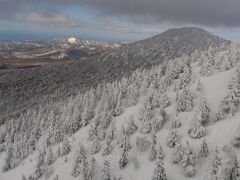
(160, 154)
(95, 146)
(131, 127)
(184, 101)
(204, 151)
(124, 141)
(236, 139)
(49, 156)
(178, 153)
(230, 103)
(107, 149)
(56, 177)
(124, 159)
(203, 112)
(173, 139)
(9, 162)
(79, 160)
(199, 86)
(153, 152)
(66, 147)
(159, 171)
(160, 117)
(197, 131)
(232, 169)
(176, 123)
(188, 161)
(40, 165)
(92, 132)
(216, 164)
(106, 174)
(24, 177)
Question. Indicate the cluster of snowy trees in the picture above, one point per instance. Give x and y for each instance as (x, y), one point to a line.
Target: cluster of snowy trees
(96, 111)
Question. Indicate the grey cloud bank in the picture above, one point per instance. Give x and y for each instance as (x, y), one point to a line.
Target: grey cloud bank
(200, 12)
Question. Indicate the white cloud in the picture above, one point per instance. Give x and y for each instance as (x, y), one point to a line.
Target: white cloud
(59, 19)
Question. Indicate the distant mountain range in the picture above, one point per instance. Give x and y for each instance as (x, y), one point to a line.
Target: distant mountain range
(28, 88)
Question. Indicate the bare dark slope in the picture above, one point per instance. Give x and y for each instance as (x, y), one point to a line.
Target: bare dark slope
(23, 89)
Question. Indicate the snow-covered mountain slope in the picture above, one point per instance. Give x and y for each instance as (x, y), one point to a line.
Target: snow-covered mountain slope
(60, 81)
(174, 121)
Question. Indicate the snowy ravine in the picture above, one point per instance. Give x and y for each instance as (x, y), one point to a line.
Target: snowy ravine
(176, 121)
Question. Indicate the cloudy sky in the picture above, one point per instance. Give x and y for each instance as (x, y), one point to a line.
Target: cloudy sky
(115, 19)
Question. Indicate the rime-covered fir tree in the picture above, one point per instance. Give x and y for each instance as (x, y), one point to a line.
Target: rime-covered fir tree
(159, 171)
(66, 147)
(215, 166)
(24, 177)
(9, 162)
(230, 103)
(236, 138)
(184, 101)
(153, 153)
(204, 151)
(176, 123)
(39, 170)
(95, 146)
(173, 139)
(106, 174)
(178, 153)
(197, 131)
(124, 158)
(107, 149)
(232, 169)
(79, 161)
(131, 127)
(188, 161)
(199, 86)
(203, 112)
(49, 156)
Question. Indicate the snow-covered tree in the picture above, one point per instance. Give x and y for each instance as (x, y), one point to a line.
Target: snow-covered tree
(204, 151)
(106, 174)
(160, 117)
(159, 171)
(66, 147)
(199, 86)
(123, 141)
(232, 169)
(153, 152)
(24, 177)
(56, 177)
(107, 149)
(131, 127)
(96, 146)
(197, 131)
(203, 112)
(79, 161)
(184, 101)
(10, 159)
(124, 159)
(92, 132)
(178, 153)
(236, 139)
(176, 123)
(215, 166)
(230, 103)
(173, 139)
(188, 161)
(49, 156)
(40, 165)
(160, 154)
